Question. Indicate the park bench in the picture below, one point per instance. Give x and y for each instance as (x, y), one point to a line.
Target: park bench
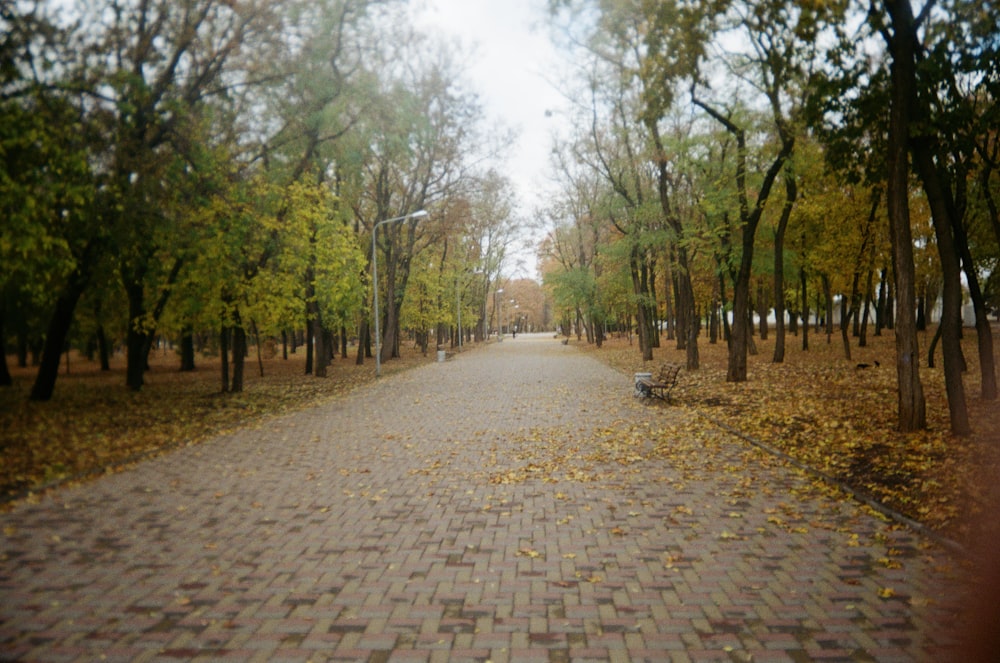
(661, 384)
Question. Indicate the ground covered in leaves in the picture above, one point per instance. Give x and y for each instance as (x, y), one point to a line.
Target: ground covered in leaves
(95, 424)
(838, 416)
(817, 407)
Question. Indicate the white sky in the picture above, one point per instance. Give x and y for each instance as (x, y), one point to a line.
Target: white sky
(511, 57)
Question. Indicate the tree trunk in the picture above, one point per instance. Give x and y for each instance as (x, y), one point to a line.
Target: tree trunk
(749, 220)
(882, 306)
(187, 350)
(140, 334)
(321, 351)
(648, 273)
(713, 323)
(22, 345)
(791, 193)
(239, 357)
(828, 297)
(865, 313)
(641, 310)
(933, 346)
(55, 340)
(310, 349)
(362, 343)
(136, 339)
(59, 324)
(845, 322)
(726, 330)
(911, 403)
(984, 334)
(224, 336)
(5, 378)
(389, 337)
(762, 310)
(805, 307)
(737, 367)
(943, 214)
(850, 309)
(257, 344)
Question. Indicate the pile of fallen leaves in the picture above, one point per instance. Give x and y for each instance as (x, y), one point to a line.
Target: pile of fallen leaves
(838, 416)
(95, 424)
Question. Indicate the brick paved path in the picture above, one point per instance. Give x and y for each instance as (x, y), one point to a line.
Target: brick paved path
(513, 504)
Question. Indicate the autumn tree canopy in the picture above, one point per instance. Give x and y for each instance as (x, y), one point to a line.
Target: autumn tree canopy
(210, 172)
(755, 163)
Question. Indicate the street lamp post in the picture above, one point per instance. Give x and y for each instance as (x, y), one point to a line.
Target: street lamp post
(419, 214)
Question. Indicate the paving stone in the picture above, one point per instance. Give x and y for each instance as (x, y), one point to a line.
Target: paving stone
(466, 510)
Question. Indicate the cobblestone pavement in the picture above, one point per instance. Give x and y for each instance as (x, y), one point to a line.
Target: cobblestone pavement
(515, 503)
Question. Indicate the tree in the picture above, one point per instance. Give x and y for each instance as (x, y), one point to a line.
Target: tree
(152, 66)
(954, 114)
(50, 239)
(490, 228)
(783, 44)
(912, 412)
(412, 156)
(923, 78)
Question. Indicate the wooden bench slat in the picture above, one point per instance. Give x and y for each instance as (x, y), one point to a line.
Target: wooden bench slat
(664, 383)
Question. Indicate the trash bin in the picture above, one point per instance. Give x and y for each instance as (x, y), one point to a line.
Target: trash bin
(441, 355)
(639, 391)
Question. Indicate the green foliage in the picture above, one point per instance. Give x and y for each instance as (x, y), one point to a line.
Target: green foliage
(47, 199)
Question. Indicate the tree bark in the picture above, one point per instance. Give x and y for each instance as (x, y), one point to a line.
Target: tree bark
(933, 346)
(943, 214)
(187, 350)
(805, 307)
(321, 352)
(727, 331)
(55, 340)
(791, 193)
(136, 348)
(224, 336)
(5, 378)
(239, 357)
(641, 308)
(59, 323)
(362, 343)
(762, 310)
(865, 313)
(912, 414)
(845, 321)
(828, 297)
(984, 334)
